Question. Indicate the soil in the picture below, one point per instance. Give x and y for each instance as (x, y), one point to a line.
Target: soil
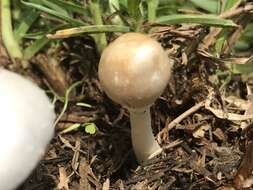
(204, 149)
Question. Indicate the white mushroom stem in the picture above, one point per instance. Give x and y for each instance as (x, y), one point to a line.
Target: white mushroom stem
(144, 144)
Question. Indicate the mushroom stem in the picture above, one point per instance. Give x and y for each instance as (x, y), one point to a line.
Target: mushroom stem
(144, 144)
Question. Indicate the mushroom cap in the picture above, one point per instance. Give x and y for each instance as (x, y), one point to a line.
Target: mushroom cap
(134, 70)
(26, 119)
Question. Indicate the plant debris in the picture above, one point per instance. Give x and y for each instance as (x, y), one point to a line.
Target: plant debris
(203, 120)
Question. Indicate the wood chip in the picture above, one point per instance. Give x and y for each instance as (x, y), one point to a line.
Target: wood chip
(63, 179)
(106, 184)
(219, 135)
(243, 177)
(200, 132)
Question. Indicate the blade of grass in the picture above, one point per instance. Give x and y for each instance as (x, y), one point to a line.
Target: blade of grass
(66, 33)
(7, 32)
(76, 8)
(31, 50)
(38, 44)
(82, 104)
(71, 128)
(241, 45)
(206, 19)
(34, 35)
(28, 19)
(96, 13)
(224, 34)
(220, 41)
(242, 69)
(55, 7)
(230, 4)
(133, 9)
(89, 128)
(208, 5)
(152, 7)
(121, 12)
(123, 4)
(66, 100)
(16, 9)
(54, 13)
(114, 7)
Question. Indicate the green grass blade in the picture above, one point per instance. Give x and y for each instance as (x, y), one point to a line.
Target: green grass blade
(220, 42)
(152, 8)
(66, 33)
(31, 50)
(82, 104)
(75, 8)
(210, 20)
(224, 34)
(7, 32)
(208, 5)
(133, 9)
(71, 128)
(230, 4)
(54, 13)
(97, 17)
(34, 35)
(28, 19)
(123, 4)
(39, 43)
(242, 69)
(55, 7)
(66, 100)
(16, 9)
(114, 7)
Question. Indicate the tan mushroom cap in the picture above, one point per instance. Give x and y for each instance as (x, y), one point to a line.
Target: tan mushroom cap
(134, 70)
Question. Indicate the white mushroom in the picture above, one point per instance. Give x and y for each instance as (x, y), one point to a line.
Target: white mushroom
(133, 71)
(26, 119)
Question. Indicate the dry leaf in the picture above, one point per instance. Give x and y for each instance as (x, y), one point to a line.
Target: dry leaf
(84, 171)
(243, 178)
(225, 188)
(139, 185)
(218, 134)
(106, 184)
(63, 179)
(66, 143)
(225, 115)
(241, 104)
(87, 176)
(200, 132)
(75, 158)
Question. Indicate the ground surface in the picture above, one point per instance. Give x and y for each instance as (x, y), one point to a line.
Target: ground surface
(203, 149)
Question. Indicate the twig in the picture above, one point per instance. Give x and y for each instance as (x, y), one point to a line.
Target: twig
(238, 11)
(180, 118)
(214, 32)
(245, 170)
(173, 144)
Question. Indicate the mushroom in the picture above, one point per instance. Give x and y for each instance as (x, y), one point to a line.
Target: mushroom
(134, 71)
(26, 119)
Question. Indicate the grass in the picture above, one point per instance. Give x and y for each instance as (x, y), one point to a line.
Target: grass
(31, 28)
(72, 15)
(30, 25)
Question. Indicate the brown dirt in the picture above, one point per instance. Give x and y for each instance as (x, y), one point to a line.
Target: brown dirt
(202, 151)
